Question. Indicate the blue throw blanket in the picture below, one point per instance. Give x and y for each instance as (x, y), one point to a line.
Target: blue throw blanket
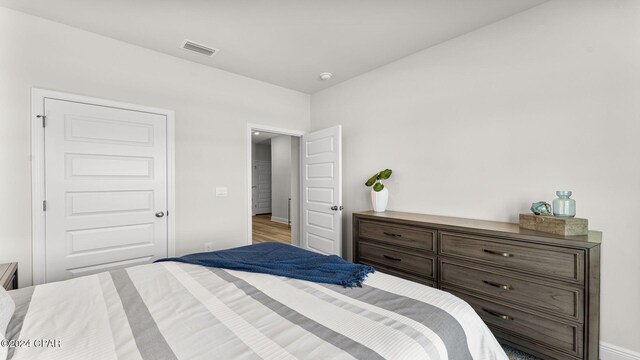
(283, 260)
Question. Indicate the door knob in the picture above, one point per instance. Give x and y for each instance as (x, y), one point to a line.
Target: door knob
(159, 214)
(334, 208)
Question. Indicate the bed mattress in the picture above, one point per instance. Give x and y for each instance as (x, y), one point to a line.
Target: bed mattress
(181, 311)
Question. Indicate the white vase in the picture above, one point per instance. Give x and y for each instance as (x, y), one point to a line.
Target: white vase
(379, 199)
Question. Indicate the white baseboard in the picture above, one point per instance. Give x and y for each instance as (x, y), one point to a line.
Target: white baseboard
(280, 220)
(613, 352)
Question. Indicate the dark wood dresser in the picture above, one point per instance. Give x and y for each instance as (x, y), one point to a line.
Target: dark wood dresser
(9, 276)
(537, 292)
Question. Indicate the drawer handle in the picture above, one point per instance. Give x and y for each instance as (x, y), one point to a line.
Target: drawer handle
(503, 287)
(391, 258)
(498, 315)
(392, 234)
(505, 254)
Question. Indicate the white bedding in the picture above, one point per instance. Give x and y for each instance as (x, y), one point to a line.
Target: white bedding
(7, 308)
(180, 311)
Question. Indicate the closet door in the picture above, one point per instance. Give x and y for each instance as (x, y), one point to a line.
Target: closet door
(261, 187)
(106, 188)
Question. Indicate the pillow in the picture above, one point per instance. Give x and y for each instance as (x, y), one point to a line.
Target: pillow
(7, 307)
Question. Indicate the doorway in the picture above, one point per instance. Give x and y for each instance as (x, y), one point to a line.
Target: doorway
(275, 187)
(315, 210)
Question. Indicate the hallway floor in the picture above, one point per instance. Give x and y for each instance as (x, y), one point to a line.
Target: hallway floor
(265, 230)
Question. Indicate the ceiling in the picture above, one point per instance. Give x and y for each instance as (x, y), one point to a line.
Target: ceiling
(283, 42)
(262, 137)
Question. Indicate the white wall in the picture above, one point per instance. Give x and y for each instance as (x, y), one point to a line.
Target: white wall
(280, 177)
(212, 110)
(484, 124)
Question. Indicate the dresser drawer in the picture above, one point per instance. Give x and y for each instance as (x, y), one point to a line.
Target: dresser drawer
(562, 300)
(392, 234)
(397, 260)
(564, 337)
(556, 262)
(401, 274)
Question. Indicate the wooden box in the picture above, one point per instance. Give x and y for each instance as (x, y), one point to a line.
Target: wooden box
(555, 225)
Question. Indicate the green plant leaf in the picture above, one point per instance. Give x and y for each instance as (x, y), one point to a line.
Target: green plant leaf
(378, 187)
(372, 180)
(385, 174)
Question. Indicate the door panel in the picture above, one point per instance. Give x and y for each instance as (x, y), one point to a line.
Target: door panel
(108, 202)
(322, 191)
(94, 269)
(110, 238)
(106, 177)
(108, 167)
(107, 131)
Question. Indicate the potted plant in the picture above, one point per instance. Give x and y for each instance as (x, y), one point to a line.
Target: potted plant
(379, 193)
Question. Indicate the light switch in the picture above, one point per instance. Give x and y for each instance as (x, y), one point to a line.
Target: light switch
(221, 191)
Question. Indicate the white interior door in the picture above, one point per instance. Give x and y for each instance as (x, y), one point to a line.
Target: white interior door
(322, 191)
(106, 188)
(261, 187)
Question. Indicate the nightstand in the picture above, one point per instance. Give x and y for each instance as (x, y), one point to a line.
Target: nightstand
(9, 276)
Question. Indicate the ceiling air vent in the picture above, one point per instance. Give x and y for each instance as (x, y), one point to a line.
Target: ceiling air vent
(200, 49)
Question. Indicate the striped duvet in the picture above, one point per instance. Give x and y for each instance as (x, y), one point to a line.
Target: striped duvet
(181, 311)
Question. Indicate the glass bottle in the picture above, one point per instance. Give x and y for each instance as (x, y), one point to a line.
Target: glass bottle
(563, 206)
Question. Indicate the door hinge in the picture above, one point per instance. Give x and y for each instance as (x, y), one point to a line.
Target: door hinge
(44, 120)
(44, 205)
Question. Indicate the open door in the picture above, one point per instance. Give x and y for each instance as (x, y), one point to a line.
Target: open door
(322, 191)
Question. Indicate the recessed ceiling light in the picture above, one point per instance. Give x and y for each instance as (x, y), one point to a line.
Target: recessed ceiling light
(325, 76)
(256, 133)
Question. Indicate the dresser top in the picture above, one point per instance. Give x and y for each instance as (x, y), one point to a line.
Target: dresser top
(489, 227)
(6, 271)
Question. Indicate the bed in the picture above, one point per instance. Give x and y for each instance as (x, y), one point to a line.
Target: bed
(173, 310)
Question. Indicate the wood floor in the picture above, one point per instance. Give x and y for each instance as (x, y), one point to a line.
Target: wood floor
(265, 230)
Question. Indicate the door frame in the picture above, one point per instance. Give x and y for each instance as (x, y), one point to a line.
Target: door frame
(38, 183)
(280, 131)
